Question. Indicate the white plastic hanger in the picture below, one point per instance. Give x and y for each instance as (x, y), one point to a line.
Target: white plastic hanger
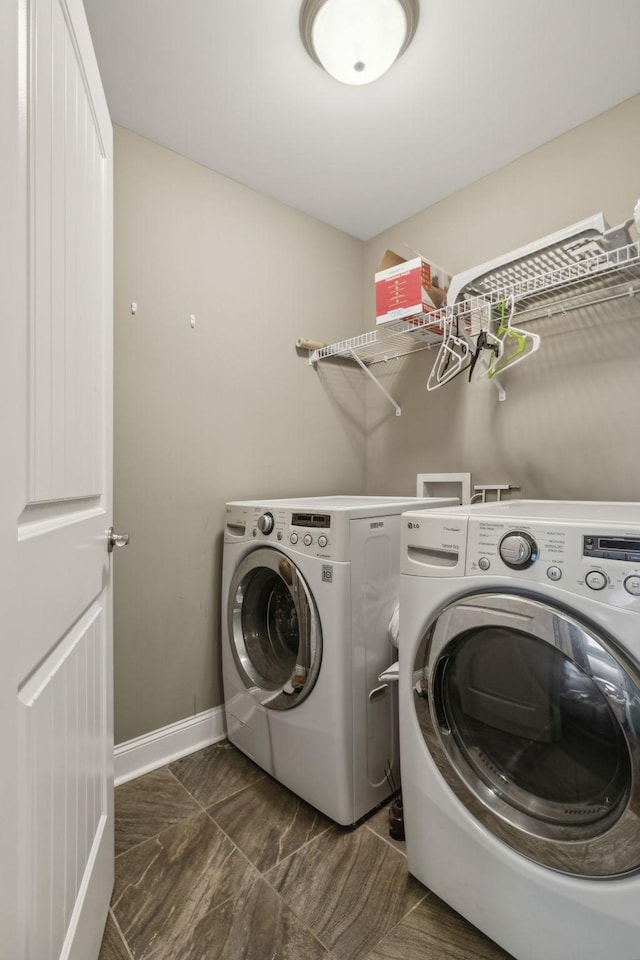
(452, 354)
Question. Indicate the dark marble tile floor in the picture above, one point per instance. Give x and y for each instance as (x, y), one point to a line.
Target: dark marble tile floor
(217, 861)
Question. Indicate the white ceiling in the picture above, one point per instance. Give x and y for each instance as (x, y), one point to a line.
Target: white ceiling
(229, 84)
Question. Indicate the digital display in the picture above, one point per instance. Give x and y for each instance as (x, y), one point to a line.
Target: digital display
(618, 543)
(322, 520)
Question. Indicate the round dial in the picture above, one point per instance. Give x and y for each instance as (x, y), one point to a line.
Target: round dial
(518, 550)
(265, 523)
(632, 585)
(596, 580)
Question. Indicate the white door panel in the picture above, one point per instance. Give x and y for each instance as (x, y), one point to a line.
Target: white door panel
(69, 167)
(56, 804)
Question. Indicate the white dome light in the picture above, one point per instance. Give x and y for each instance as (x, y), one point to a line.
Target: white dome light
(356, 41)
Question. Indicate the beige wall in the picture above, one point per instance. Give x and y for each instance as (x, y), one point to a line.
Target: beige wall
(569, 425)
(231, 410)
(227, 410)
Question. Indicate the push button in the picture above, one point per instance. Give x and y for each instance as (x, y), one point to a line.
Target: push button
(554, 573)
(595, 580)
(632, 585)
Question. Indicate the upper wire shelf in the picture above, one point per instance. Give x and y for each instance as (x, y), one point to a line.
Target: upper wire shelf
(594, 278)
(542, 286)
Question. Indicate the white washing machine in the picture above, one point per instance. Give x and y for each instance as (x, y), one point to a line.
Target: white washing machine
(519, 699)
(308, 590)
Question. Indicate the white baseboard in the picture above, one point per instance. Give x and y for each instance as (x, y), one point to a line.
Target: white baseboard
(155, 749)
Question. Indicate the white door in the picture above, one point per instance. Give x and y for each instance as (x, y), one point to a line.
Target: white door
(56, 808)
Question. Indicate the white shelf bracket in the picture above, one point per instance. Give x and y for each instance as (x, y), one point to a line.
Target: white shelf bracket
(502, 393)
(366, 370)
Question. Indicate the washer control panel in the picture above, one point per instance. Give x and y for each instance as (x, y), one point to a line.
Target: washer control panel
(308, 532)
(323, 535)
(596, 563)
(598, 558)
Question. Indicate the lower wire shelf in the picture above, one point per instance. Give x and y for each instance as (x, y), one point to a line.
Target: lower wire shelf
(389, 341)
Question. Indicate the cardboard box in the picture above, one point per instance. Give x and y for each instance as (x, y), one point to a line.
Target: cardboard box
(408, 288)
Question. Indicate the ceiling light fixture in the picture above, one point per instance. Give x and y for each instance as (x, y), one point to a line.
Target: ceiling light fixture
(356, 41)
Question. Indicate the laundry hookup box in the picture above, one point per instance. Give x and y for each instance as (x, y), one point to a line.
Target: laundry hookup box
(405, 289)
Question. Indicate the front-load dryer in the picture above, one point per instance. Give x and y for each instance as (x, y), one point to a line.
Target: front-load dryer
(309, 587)
(519, 700)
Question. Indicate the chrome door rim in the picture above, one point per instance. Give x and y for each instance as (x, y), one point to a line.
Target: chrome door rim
(301, 681)
(608, 848)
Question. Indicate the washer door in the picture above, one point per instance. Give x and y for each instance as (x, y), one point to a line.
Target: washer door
(274, 629)
(533, 720)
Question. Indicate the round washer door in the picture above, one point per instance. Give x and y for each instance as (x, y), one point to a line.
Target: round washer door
(274, 629)
(533, 720)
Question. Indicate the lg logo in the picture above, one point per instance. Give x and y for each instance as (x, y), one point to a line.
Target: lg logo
(414, 526)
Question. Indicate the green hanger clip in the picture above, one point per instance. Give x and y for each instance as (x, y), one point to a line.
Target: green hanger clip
(511, 337)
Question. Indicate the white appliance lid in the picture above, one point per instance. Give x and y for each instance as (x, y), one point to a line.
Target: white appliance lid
(568, 510)
(353, 506)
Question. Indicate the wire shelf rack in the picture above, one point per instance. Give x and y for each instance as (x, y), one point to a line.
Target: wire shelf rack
(576, 273)
(597, 277)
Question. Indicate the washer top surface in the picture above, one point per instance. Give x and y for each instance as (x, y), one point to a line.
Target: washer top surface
(352, 506)
(567, 510)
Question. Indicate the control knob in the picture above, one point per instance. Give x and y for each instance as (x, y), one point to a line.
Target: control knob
(518, 550)
(265, 523)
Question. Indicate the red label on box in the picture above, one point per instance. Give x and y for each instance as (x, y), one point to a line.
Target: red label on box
(399, 292)
(407, 289)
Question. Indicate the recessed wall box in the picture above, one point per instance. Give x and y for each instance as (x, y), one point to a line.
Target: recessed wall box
(444, 485)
